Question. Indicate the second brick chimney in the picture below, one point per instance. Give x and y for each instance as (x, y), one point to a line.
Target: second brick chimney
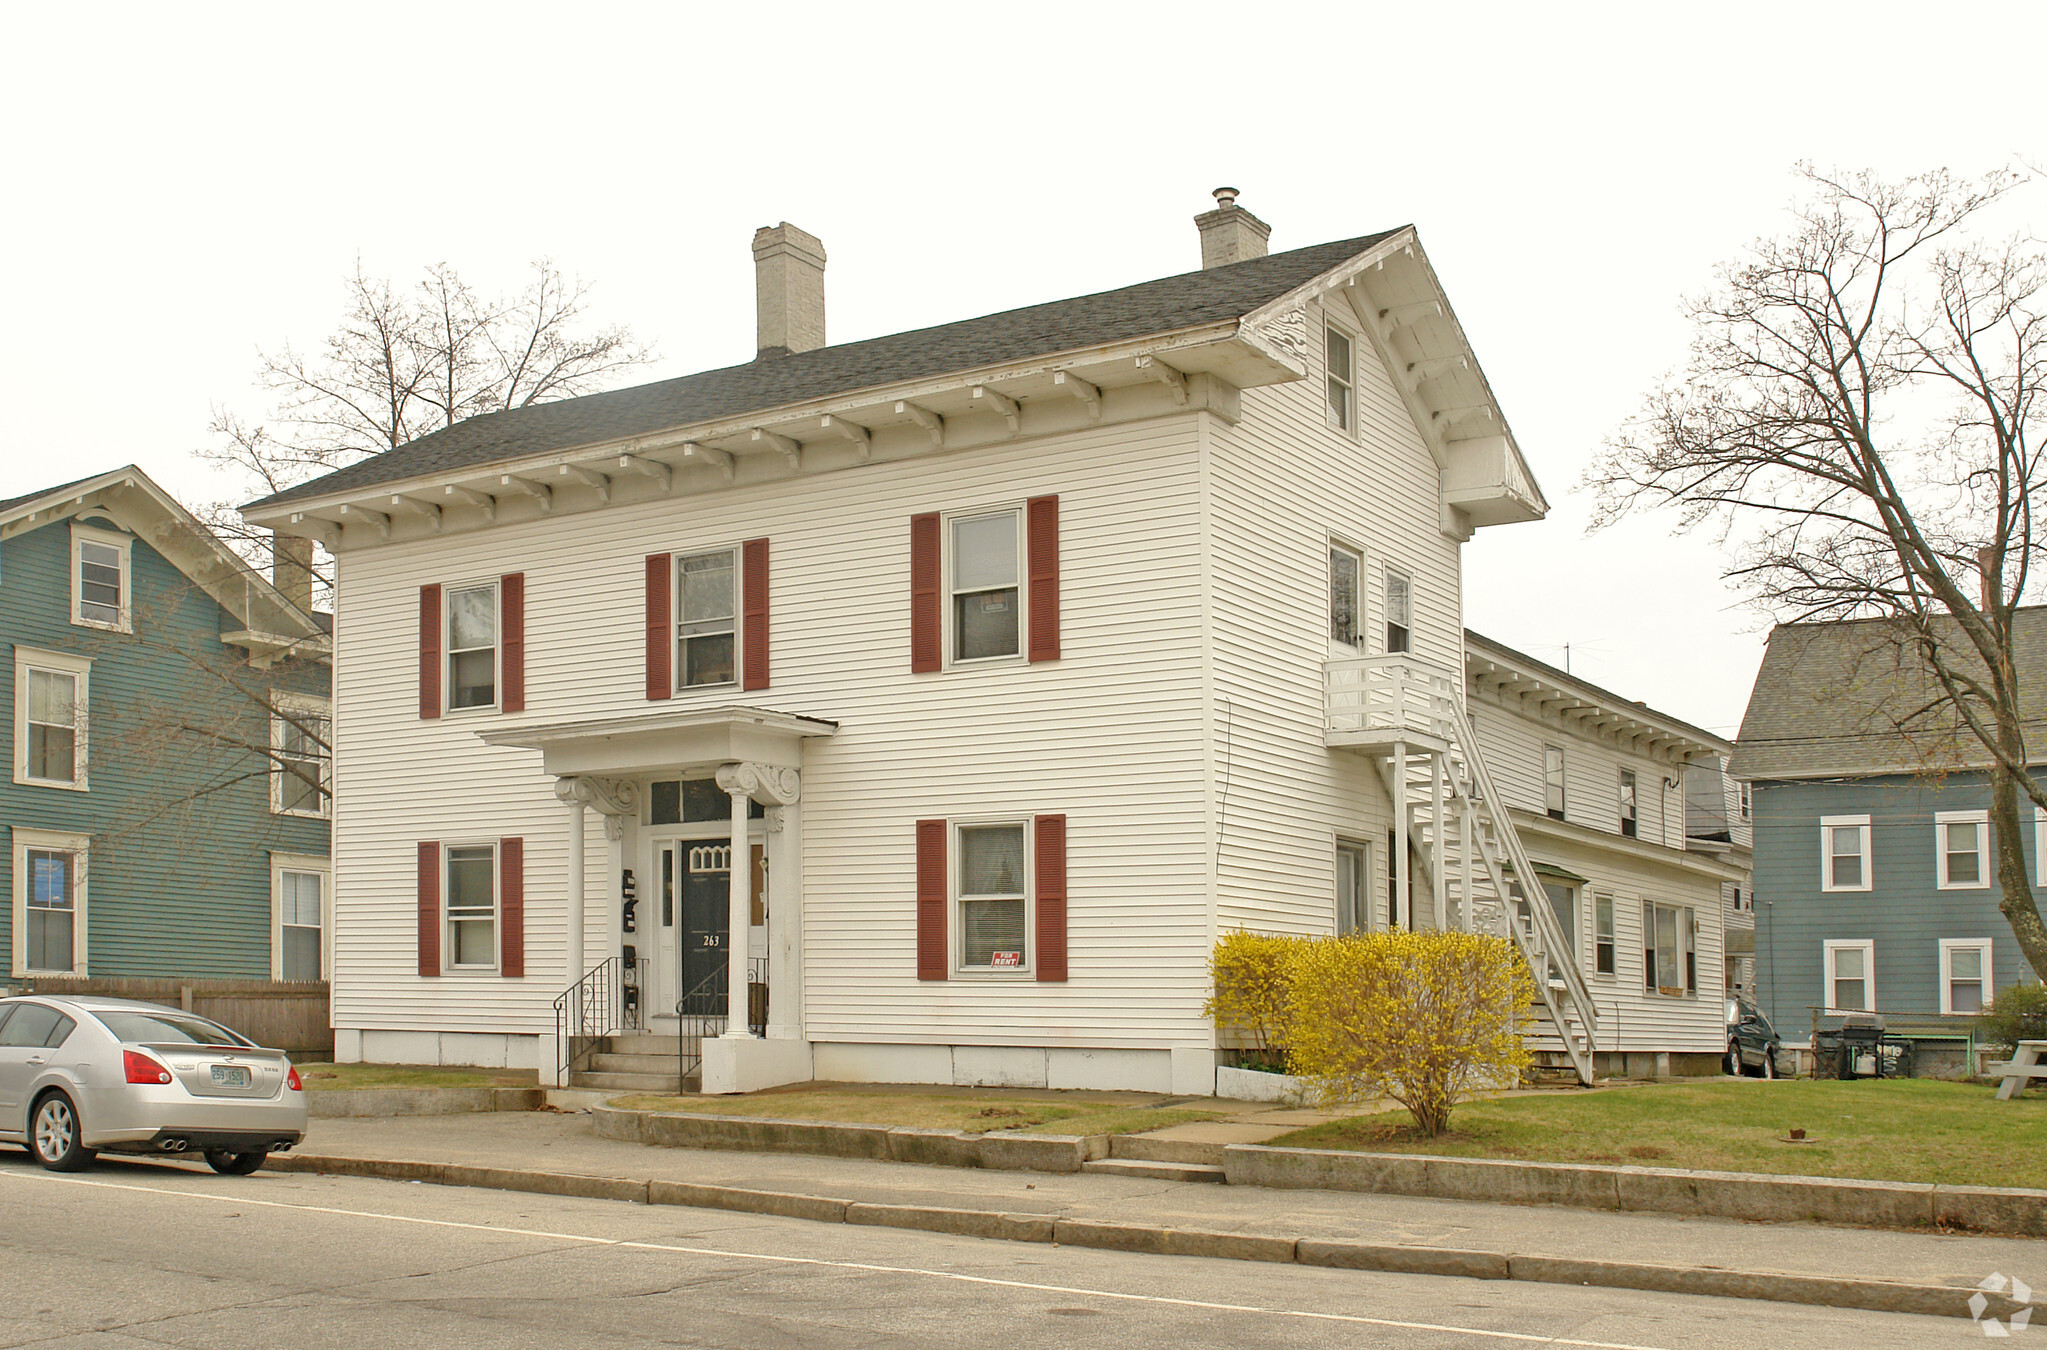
(1230, 233)
(788, 270)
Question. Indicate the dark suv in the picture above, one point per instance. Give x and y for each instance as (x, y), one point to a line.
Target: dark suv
(1752, 1043)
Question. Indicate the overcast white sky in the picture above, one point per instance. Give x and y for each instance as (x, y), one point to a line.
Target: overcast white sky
(187, 184)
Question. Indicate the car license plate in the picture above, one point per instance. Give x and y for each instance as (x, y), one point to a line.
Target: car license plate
(230, 1075)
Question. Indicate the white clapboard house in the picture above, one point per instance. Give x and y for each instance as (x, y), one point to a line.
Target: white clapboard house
(921, 709)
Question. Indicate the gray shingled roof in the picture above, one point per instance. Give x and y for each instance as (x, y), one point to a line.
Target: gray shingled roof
(1829, 698)
(11, 502)
(1168, 305)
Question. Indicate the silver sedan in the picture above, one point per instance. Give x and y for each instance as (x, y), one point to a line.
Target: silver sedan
(84, 1075)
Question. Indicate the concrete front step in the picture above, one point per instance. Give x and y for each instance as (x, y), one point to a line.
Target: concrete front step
(643, 1043)
(663, 1065)
(1145, 1148)
(667, 1083)
(1156, 1171)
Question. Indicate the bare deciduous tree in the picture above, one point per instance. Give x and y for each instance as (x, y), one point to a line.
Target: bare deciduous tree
(406, 362)
(1855, 417)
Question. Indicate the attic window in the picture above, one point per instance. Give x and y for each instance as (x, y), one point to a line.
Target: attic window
(1342, 381)
(99, 578)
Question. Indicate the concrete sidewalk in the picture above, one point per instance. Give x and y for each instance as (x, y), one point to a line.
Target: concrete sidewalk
(1821, 1263)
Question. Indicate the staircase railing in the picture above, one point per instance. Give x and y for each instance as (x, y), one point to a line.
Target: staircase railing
(705, 1011)
(608, 999)
(1549, 955)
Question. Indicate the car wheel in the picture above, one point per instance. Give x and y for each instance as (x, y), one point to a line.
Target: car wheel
(1769, 1069)
(54, 1136)
(235, 1164)
(1733, 1061)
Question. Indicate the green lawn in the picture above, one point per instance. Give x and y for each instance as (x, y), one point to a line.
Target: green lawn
(1904, 1130)
(336, 1077)
(933, 1111)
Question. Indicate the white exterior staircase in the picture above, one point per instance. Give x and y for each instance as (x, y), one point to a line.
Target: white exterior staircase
(1409, 716)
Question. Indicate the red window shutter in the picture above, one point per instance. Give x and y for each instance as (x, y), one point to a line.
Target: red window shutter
(1050, 849)
(933, 961)
(512, 640)
(660, 627)
(753, 582)
(1041, 554)
(429, 908)
(512, 907)
(430, 651)
(924, 571)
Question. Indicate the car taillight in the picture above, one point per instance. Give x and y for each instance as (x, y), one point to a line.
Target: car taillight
(291, 1080)
(142, 1069)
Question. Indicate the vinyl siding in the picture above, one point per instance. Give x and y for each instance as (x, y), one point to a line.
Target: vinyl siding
(1904, 912)
(179, 861)
(1285, 484)
(1110, 735)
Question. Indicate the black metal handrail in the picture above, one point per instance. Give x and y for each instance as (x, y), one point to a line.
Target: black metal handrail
(608, 999)
(706, 1011)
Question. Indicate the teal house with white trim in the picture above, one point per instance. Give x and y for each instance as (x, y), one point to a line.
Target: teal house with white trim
(1876, 883)
(167, 798)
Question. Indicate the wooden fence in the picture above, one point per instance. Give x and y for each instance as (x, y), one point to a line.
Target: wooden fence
(291, 1017)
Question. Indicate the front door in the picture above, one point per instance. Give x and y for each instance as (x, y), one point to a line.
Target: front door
(704, 928)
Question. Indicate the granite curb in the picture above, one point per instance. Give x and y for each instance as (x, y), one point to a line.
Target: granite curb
(997, 1150)
(1152, 1239)
(335, 1103)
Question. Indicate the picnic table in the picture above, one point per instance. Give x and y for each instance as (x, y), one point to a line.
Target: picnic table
(2023, 1067)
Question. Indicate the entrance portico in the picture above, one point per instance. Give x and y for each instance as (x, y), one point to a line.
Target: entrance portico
(754, 756)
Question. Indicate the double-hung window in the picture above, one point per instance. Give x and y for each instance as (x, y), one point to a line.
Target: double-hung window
(1748, 802)
(1963, 844)
(1352, 889)
(1346, 569)
(50, 701)
(1628, 822)
(994, 906)
(302, 761)
(49, 903)
(1342, 380)
(986, 569)
(1399, 612)
(472, 906)
(298, 886)
(473, 646)
(99, 578)
(1553, 780)
(1844, 853)
(1602, 935)
(1850, 975)
(706, 618)
(1965, 976)
(1670, 962)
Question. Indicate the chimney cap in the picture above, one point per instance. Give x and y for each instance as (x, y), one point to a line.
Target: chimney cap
(1225, 197)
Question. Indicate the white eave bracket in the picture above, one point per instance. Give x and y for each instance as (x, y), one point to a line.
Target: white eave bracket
(790, 450)
(1175, 380)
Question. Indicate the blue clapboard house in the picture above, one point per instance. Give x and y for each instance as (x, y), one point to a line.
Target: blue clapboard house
(1876, 882)
(167, 798)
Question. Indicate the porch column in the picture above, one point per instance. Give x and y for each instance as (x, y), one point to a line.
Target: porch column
(572, 934)
(785, 922)
(615, 799)
(746, 783)
(1439, 872)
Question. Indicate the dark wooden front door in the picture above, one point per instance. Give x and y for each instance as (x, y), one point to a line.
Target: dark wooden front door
(706, 923)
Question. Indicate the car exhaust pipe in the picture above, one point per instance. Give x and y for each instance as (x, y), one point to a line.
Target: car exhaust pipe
(175, 1145)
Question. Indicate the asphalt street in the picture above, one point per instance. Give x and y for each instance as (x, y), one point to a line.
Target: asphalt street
(132, 1255)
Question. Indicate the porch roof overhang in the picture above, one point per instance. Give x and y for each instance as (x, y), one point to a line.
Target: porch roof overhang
(1540, 825)
(682, 741)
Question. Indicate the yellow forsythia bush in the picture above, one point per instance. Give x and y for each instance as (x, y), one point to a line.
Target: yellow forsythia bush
(1249, 974)
(1427, 1019)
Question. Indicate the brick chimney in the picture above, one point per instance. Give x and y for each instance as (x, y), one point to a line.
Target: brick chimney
(1229, 233)
(788, 271)
(291, 569)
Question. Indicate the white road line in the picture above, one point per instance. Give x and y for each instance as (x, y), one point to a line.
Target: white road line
(245, 1201)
